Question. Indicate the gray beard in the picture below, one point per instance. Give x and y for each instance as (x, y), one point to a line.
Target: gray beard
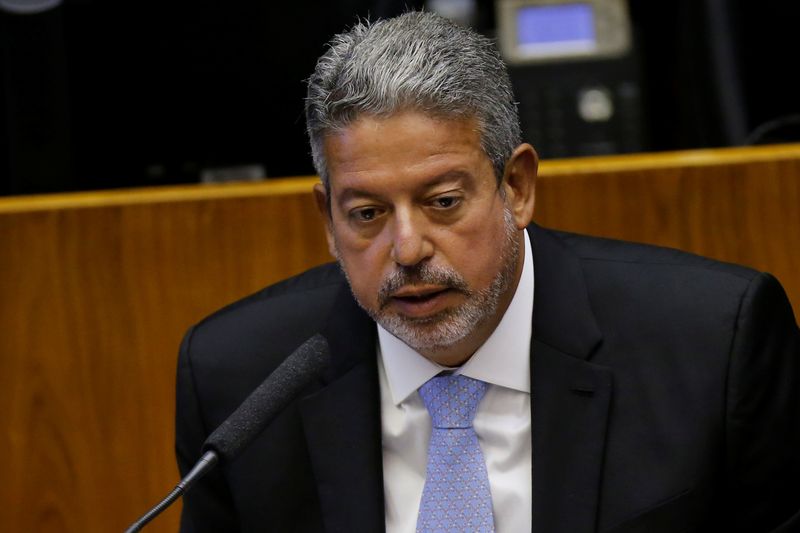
(442, 330)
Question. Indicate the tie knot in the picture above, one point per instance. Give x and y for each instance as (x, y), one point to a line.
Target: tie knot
(452, 400)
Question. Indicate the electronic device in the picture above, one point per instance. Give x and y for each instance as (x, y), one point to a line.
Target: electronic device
(575, 72)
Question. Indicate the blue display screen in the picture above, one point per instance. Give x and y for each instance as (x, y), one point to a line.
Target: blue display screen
(556, 27)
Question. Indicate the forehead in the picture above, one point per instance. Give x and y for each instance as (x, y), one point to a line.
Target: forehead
(403, 148)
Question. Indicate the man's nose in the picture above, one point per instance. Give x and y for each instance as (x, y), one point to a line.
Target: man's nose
(410, 241)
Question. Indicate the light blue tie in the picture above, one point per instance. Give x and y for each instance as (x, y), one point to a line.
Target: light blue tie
(456, 497)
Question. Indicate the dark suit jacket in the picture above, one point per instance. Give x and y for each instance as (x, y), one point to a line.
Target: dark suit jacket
(665, 398)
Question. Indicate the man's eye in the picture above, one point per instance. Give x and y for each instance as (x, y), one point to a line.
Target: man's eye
(365, 214)
(445, 202)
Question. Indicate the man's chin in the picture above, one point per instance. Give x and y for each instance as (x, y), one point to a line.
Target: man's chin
(425, 321)
(430, 333)
(418, 323)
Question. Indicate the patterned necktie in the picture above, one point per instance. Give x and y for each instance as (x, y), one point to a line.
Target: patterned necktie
(456, 497)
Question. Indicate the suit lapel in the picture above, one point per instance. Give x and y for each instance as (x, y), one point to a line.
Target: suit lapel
(342, 424)
(570, 397)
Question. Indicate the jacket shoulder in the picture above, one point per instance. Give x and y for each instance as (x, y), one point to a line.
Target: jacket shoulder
(599, 249)
(655, 288)
(287, 309)
(236, 347)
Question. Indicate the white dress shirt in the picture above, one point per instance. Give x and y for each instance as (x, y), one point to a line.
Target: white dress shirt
(502, 422)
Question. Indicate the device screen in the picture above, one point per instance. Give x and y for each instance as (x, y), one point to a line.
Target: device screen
(553, 30)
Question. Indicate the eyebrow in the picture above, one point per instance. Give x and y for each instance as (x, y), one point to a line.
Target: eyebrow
(450, 175)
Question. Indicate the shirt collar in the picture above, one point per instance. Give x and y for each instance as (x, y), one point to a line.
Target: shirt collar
(504, 359)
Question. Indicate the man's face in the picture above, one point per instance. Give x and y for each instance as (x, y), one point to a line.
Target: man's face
(430, 246)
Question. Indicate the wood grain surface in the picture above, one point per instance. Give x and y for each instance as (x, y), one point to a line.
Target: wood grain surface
(737, 205)
(98, 288)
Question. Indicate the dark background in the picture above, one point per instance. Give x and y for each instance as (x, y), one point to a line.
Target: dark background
(103, 94)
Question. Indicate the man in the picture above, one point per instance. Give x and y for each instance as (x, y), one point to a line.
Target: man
(617, 387)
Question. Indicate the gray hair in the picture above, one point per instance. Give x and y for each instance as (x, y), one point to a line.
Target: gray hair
(419, 61)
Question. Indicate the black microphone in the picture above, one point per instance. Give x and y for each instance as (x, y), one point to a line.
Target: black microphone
(297, 371)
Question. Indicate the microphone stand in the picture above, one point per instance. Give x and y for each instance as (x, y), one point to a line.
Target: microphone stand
(203, 466)
(303, 366)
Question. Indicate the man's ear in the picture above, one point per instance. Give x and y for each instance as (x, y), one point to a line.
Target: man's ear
(519, 183)
(324, 207)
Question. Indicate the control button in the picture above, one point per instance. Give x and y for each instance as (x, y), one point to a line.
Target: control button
(595, 104)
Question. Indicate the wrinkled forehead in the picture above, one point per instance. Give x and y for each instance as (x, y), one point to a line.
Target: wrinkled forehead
(378, 126)
(407, 145)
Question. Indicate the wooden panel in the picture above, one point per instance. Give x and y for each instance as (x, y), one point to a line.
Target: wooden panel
(98, 288)
(95, 301)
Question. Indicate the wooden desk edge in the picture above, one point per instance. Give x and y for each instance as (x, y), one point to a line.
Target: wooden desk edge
(304, 184)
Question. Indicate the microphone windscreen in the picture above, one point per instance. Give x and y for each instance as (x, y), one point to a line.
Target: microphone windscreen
(296, 372)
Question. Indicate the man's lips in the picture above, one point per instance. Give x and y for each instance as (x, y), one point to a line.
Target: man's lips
(420, 301)
(418, 292)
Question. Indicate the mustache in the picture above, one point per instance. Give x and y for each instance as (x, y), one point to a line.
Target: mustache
(421, 274)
